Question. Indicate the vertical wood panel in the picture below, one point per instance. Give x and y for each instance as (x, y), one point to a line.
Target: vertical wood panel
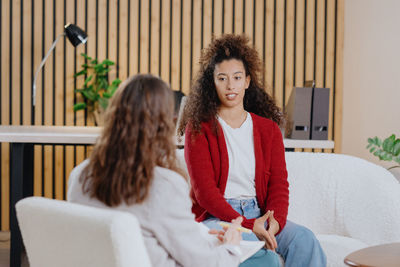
(123, 59)
(144, 37)
(228, 16)
(102, 29)
(155, 37)
(259, 28)
(296, 39)
(175, 43)
(5, 113)
(238, 29)
(134, 36)
(15, 62)
(320, 47)
(249, 18)
(186, 46)
(48, 71)
(279, 52)
(269, 46)
(207, 22)
(289, 52)
(218, 17)
(165, 40)
(320, 44)
(330, 60)
(310, 38)
(90, 48)
(300, 30)
(196, 41)
(310, 44)
(59, 100)
(38, 53)
(338, 104)
(69, 92)
(112, 37)
(27, 62)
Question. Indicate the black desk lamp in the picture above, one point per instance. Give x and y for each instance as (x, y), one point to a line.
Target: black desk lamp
(75, 35)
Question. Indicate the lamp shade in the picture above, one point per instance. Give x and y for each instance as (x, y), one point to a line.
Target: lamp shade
(75, 34)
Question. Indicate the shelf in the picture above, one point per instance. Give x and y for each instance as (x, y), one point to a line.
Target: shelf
(320, 144)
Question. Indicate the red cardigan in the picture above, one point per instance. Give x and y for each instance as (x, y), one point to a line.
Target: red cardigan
(207, 161)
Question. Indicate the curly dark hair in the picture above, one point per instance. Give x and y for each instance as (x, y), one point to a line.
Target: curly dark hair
(203, 102)
(137, 136)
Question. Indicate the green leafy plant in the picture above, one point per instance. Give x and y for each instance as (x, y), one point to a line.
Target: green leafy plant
(96, 90)
(387, 150)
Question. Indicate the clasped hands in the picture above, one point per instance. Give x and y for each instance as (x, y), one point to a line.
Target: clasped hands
(267, 235)
(230, 235)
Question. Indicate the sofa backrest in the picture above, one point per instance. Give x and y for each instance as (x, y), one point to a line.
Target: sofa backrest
(343, 195)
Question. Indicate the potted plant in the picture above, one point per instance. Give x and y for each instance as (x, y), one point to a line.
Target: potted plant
(387, 150)
(96, 90)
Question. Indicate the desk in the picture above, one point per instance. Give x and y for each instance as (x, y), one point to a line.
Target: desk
(23, 138)
(387, 255)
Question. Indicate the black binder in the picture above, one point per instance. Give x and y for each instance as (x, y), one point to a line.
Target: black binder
(308, 113)
(299, 113)
(320, 114)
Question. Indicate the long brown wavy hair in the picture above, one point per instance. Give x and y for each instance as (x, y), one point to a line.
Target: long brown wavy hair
(137, 136)
(203, 102)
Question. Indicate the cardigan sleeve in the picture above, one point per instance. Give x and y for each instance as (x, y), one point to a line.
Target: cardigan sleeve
(278, 186)
(203, 179)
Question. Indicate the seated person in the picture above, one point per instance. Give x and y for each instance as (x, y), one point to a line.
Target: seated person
(133, 168)
(235, 155)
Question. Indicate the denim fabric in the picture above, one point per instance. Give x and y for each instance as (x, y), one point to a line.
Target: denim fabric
(296, 244)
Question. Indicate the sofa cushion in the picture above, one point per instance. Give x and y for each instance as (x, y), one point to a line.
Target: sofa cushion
(338, 247)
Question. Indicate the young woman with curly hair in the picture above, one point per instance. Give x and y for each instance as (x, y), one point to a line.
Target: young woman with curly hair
(133, 168)
(235, 154)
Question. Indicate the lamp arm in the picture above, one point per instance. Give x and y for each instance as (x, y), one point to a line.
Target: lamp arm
(41, 65)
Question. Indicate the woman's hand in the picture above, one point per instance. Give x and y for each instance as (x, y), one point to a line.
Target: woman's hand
(262, 234)
(230, 235)
(273, 228)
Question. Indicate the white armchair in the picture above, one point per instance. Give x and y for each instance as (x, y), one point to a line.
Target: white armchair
(63, 234)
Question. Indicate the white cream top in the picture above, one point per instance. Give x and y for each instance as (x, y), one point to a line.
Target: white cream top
(242, 163)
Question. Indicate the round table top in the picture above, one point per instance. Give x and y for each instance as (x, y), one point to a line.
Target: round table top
(387, 255)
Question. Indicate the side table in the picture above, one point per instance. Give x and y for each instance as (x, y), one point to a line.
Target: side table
(387, 255)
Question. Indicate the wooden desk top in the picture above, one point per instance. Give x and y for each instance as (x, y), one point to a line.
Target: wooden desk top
(387, 255)
(49, 134)
(88, 134)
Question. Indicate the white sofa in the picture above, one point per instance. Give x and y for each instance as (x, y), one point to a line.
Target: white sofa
(349, 203)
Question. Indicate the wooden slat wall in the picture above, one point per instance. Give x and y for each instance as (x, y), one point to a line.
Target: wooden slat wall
(298, 40)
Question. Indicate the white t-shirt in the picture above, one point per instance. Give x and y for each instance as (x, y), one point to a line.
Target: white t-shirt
(242, 163)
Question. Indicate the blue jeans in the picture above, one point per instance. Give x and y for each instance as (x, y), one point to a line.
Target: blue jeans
(296, 244)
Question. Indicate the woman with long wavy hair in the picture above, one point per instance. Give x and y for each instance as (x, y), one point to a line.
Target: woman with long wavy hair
(235, 155)
(133, 168)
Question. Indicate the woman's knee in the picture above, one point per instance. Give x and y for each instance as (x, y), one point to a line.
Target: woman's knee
(304, 238)
(263, 258)
(294, 235)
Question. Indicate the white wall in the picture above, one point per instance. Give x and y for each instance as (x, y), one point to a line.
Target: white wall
(371, 81)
